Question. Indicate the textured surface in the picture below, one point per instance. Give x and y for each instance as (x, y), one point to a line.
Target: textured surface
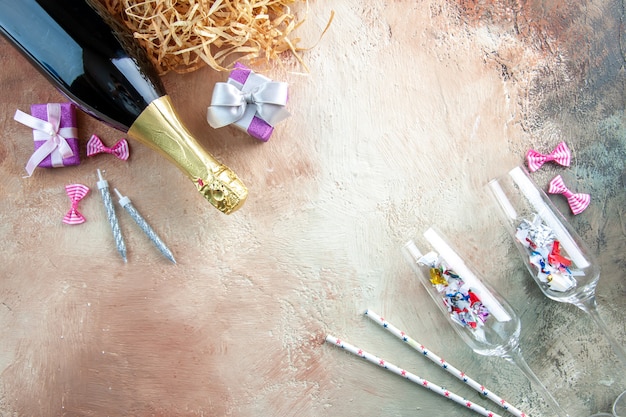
(407, 111)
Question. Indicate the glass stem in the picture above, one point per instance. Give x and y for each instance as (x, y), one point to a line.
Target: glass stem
(590, 306)
(515, 356)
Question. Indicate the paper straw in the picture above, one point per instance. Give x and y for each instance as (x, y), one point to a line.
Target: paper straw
(445, 365)
(411, 377)
(534, 197)
(456, 263)
(503, 200)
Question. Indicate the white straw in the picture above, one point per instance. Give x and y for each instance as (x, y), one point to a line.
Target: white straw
(411, 377)
(532, 194)
(503, 200)
(456, 263)
(429, 354)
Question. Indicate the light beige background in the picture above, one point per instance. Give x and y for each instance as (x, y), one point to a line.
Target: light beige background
(408, 109)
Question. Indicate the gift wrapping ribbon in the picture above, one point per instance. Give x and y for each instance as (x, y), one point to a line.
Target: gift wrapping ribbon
(577, 201)
(228, 103)
(50, 132)
(120, 149)
(75, 192)
(561, 155)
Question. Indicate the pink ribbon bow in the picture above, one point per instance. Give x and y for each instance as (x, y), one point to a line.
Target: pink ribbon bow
(120, 149)
(560, 154)
(50, 131)
(577, 202)
(75, 192)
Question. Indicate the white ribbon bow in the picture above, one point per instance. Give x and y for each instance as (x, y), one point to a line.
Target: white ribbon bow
(54, 136)
(229, 104)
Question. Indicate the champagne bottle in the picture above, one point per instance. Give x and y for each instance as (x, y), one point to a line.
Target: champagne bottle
(95, 61)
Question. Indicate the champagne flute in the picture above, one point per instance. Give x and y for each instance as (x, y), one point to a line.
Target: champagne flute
(479, 315)
(619, 406)
(618, 409)
(555, 255)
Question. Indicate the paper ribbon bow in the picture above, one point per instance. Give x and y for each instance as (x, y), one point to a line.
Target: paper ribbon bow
(54, 136)
(75, 192)
(228, 103)
(120, 149)
(577, 202)
(560, 154)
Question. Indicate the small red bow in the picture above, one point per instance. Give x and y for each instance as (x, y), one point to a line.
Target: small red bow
(120, 149)
(560, 154)
(577, 202)
(75, 192)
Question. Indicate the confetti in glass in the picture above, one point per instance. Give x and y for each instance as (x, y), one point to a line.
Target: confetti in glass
(500, 332)
(555, 255)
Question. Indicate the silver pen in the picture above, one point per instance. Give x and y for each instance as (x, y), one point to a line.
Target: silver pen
(103, 186)
(143, 225)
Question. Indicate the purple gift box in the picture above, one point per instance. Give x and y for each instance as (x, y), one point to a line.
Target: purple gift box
(67, 129)
(249, 101)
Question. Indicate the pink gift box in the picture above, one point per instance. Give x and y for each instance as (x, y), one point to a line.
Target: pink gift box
(68, 120)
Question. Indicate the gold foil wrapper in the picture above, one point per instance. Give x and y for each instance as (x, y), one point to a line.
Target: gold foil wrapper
(160, 128)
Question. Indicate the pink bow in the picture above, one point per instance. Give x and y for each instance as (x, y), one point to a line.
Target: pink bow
(577, 202)
(75, 192)
(120, 149)
(560, 154)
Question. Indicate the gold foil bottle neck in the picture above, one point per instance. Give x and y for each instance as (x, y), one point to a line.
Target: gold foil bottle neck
(160, 128)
